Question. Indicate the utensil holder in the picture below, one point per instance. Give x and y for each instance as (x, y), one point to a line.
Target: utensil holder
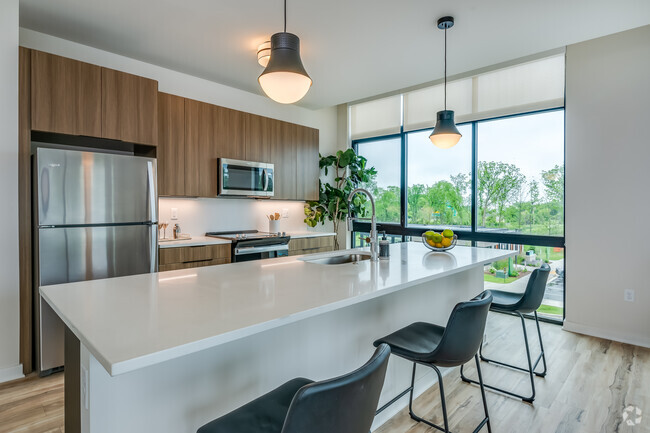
(274, 226)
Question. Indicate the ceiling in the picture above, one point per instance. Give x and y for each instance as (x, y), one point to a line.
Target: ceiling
(352, 49)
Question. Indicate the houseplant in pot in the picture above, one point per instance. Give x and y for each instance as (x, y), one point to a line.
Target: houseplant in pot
(350, 171)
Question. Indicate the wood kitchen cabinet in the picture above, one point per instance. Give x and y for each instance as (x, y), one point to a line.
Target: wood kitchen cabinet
(170, 259)
(171, 145)
(311, 245)
(129, 107)
(66, 95)
(212, 132)
(307, 167)
(283, 157)
(258, 138)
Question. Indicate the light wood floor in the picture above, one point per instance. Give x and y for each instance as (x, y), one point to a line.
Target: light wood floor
(589, 385)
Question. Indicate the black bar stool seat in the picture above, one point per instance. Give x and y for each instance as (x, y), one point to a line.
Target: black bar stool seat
(506, 301)
(443, 346)
(345, 404)
(264, 414)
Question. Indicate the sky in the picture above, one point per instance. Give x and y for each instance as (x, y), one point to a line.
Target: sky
(533, 143)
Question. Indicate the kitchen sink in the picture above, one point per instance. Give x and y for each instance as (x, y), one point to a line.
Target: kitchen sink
(339, 259)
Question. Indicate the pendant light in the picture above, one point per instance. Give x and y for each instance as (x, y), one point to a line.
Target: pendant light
(285, 80)
(445, 134)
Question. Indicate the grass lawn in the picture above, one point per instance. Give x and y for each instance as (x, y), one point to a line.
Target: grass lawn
(493, 279)
(548, 309)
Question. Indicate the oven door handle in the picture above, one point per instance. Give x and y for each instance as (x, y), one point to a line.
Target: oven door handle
(261, 249)
(266, 180)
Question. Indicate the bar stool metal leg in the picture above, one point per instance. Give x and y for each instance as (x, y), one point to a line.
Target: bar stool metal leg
(531, 366)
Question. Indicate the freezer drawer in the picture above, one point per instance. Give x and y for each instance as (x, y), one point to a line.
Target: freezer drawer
(85, 253)
(79, 188)
(68, 254)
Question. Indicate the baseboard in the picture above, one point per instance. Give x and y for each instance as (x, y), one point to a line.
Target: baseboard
(606, 334)
(11, 373)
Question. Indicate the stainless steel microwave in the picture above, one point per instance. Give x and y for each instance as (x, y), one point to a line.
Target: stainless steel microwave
(245, 178)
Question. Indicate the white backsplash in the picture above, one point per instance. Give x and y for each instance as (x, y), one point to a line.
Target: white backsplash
(197, 216)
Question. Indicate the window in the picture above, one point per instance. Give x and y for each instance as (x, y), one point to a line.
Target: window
(512, 275)
(385, 155)
(439, 181)
(520, 185)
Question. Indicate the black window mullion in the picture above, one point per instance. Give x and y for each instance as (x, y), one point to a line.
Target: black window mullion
(474, 207)
(403, 180)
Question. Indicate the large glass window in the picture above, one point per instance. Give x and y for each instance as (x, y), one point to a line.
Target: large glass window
(385, 155)
(511, 275)
(439, 181)
(520, 182)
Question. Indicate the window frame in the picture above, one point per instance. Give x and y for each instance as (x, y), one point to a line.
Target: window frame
(473, 234)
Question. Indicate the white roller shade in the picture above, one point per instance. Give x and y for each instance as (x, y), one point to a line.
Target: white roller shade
(421, 106)
(376, 118)
(532, 86)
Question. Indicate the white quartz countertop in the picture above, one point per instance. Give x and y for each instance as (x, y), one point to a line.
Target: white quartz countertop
(133, 322)
(195, 241)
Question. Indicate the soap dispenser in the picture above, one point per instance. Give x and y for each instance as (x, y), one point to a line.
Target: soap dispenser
(384, 247)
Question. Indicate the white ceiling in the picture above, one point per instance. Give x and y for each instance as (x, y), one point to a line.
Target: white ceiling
(352, 49)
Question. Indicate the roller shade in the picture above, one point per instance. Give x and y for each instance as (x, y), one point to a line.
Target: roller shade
(531, 86)
(376, 118)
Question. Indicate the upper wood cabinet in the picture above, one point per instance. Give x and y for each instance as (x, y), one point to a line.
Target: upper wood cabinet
(307, 168)
(66, 95)
(193, 135)
(258, 138)
(171, 145)
(129, 107)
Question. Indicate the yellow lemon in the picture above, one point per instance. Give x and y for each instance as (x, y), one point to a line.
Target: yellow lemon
(430, 242)
(438, 245)
(446, 242)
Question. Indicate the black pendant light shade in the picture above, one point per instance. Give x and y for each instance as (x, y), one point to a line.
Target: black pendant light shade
(285, 79)
(445, 134)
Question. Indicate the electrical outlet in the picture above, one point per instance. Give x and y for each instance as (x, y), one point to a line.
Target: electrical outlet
(285, 213)
(628, 295)
(174, 213)
(84, 386)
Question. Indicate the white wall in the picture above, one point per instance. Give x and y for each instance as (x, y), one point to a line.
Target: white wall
(607, 198)
(9, 294)
(196, 216)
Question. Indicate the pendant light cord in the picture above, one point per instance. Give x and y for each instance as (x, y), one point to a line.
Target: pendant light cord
(285, 16)
(445, 66)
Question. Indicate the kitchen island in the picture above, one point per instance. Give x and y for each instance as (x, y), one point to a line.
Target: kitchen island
(167, 352)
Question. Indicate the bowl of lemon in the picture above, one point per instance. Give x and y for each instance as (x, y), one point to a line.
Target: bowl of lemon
(443, 241)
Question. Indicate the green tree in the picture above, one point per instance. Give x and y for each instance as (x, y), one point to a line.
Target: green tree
(496, 182)
(554, 183)
(533, 190)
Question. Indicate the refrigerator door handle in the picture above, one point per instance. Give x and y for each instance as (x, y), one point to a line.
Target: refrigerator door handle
(151, 178)
(153, 265)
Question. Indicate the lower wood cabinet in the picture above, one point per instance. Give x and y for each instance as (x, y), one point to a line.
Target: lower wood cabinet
(170, 259)
(320, 244)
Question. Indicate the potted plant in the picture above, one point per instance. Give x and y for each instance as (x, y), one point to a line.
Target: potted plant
(350, 171)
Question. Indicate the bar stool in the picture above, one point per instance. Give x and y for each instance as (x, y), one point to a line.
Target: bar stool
(436, 346)
(345, 404)
(521, 304)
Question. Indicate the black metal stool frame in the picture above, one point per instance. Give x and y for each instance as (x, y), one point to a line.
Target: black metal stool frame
(531, 367)
(443, 401)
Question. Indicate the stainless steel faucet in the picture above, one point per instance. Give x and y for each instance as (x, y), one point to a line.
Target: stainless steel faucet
(374, 243)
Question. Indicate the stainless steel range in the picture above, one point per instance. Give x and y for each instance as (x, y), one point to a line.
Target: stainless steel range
(254, 245)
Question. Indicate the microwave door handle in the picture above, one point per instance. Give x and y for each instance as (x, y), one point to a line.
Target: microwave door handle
(266, 179)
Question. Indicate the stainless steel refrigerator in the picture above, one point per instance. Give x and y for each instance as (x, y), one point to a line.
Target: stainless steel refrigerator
(95, 217)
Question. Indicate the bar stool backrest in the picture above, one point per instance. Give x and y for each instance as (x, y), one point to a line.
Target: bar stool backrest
(535, 289)
(346, 404)
(463, 333)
